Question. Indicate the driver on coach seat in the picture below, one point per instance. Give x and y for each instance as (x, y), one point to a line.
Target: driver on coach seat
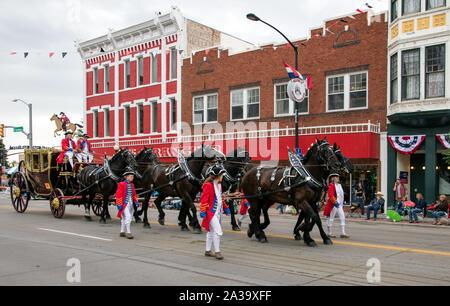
(67, 145)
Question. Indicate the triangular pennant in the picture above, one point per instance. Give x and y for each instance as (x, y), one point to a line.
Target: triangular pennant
(64, 54)
(359, 11)
(206, 51)
(368, 5)
(51, 54)
(101, 50)
(13, 53)
(180, 51)
(343, 20)
(25, 54)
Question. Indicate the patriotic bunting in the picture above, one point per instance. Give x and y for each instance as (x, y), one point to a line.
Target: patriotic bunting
(444, 139)
(406, 144)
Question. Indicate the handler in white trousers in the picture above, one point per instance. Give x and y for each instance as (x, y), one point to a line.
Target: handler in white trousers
(336, 198)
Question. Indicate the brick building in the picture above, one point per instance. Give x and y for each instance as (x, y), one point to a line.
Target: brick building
(232, 98)
(132, 80)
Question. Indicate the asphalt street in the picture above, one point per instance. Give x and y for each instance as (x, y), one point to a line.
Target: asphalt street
(35, 249)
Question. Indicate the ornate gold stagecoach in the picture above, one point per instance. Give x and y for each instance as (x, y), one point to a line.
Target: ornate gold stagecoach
(41, 175)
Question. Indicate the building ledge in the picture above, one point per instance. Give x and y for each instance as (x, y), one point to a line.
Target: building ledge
(421, 119)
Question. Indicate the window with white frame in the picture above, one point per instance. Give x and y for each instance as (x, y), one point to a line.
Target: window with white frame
(106, 78)
(347, 92)
(154, 68)
(284, 105)
(173, 63)
(435, 71)
(154, 117)
(410, 6)
(140, 72)
(140, 118)
(245, 104)
(107, 121)
(205, 109)
(95, 125)
(127, 74)
(411, 74)
(173, 114)
(394, 9)
(127, 120)
(95, 80)
(431, 4)
(394, 78)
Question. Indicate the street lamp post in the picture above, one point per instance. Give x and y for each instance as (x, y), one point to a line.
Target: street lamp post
(30, 120)
(253, 17)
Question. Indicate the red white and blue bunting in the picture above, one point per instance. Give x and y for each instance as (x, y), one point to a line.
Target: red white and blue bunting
(444, 139)
(406, 144)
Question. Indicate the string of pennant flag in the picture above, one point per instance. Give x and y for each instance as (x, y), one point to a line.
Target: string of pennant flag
(50, 54)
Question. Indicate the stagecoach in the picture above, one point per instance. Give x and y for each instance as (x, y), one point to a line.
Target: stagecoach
(41, 175)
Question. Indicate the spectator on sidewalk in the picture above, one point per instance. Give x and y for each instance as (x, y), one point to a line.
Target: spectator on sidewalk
(440, 209)
(419, 207)
(281, 208)
(400, 190)
(401, 206)
(360, 196)
(375, 205)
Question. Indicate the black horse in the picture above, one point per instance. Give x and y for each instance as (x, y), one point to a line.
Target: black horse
(175, 182)
(235, 163)
(309, 161)
(103, 181)
(271, 187)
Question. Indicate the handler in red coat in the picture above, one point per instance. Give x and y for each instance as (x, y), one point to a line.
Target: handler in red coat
(67, 145)
(212, 206)
(126, 201)
(335, 205)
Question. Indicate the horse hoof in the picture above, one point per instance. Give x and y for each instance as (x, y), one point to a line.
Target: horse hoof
(311, 244)
(236, 228)
(138, 220)
(328, 242)
(249, 233)
(185, 229)
(108, 217)
(87, 218)
(147, 225)
(102, 221)
(161, 221)
(298, 237)
(197, 230)
(263, 240)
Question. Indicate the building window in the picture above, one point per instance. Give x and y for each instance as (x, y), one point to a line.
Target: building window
(394, 9)
(106, 111)
(411, 74)
(154, 68)
(347, 92)
(140, 115)
(245, 104)
(154, 117)
(95, 124)
(127, 74)
(284, 105)
(106, 78)
(95, 80)
(205, 109)
(410, 6)
(431, 4)
(127, 120)
(435, 71)
(140, 62)
(173, 63)
(173, 114)
(394, 78)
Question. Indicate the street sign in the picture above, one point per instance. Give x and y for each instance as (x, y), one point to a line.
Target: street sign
(296, 89)
(18, 129)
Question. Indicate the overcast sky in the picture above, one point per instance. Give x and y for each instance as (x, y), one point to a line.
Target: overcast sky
(54, 84)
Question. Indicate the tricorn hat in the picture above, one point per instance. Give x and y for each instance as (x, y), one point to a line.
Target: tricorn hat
(217, 170)
(86, 136)
(68, 132)
(61, 113)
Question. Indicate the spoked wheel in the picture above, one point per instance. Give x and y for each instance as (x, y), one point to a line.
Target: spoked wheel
(57, 203)
(97, 207)
(20, 193)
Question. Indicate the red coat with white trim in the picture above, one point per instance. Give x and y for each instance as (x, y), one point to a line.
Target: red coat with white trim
(121, 195)
(65, 148)
(244, 207)
(331, 199)
(208, 205)
(80, 144)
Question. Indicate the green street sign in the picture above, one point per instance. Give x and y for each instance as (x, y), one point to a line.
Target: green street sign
(18, 129)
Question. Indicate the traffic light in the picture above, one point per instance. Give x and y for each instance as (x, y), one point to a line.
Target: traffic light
(2, 130)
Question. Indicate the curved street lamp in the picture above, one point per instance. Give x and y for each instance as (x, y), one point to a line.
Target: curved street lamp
(30, 118)
(253, 17)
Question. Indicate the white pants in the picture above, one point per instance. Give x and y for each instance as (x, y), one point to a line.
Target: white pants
(340, 212)
(214, 234)
(127, 216)
(85, 157)
(242, 218)
(69, 155)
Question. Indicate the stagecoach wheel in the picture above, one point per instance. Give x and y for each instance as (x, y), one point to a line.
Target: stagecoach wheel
(97, 207)
(20, 193)
(57, 203)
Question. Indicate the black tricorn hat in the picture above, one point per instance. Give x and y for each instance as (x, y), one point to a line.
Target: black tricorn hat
(61, 113)
(68, 132)
(85, 135)
(217, 170)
